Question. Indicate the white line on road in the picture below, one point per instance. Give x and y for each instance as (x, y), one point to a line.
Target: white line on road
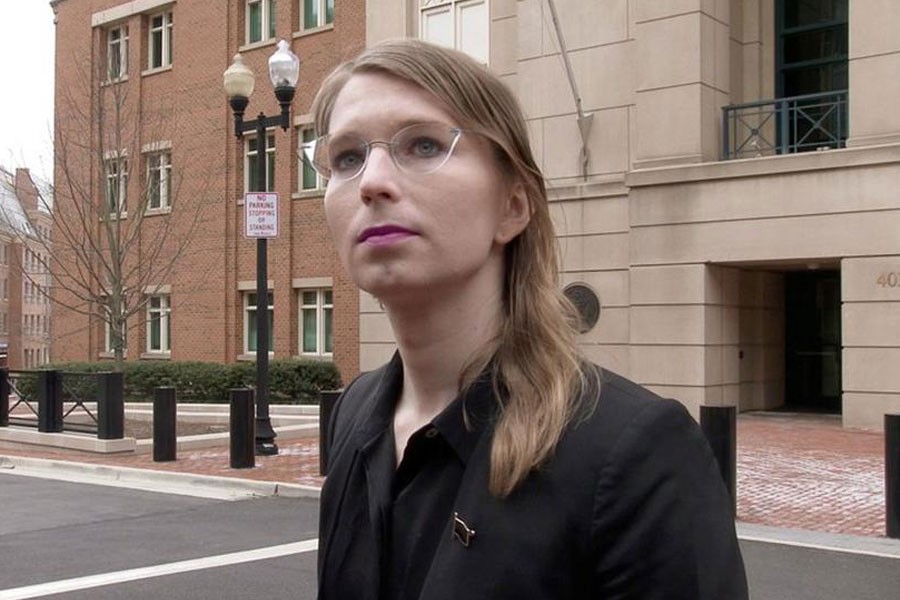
(208, 562)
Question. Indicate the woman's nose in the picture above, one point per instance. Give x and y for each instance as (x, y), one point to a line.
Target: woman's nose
(378, 179)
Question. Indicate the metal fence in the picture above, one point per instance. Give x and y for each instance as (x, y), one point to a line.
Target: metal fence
(57, 401)
(785, 125)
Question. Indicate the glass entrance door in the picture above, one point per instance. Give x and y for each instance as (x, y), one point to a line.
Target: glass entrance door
(813, 341)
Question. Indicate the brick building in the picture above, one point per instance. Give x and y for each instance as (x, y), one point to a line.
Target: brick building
(25, 229)
(723, 175)
(176, 161)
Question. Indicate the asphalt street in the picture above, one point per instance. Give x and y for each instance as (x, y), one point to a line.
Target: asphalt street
(77, 541)
(58, 535)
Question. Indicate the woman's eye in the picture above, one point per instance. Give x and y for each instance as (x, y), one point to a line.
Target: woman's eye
(348, 160)
(424, 147)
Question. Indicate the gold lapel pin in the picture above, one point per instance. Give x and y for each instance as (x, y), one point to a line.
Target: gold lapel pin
(461, 531)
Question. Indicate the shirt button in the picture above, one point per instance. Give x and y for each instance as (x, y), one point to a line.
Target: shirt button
(431, 432)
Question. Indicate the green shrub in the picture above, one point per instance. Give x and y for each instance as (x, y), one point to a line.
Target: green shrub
(291, 381)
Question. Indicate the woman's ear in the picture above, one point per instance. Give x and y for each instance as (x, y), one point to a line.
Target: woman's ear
(516, 214)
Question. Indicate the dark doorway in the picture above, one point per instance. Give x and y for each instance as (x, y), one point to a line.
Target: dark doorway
(813, 341)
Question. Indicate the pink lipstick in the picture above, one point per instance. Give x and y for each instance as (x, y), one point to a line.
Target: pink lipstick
(384, 235)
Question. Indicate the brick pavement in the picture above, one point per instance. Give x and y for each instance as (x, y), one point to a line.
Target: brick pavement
(794, 471)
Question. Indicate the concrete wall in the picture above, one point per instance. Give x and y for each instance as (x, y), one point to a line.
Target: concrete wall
(686, 253)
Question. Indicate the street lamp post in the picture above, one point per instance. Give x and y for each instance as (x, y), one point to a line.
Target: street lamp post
(284, 70)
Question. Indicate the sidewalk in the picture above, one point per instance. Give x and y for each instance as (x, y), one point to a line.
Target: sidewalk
(794, 471)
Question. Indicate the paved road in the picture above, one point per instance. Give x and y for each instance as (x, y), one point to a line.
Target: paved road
(76, 541)
(65, 536)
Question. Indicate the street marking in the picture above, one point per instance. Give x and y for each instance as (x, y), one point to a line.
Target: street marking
(184, 566)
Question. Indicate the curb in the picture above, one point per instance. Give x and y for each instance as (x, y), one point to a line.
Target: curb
(189, 484)
(883, 547)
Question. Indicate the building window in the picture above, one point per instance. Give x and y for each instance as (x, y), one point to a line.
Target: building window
(316, 309)
(309, 178)
(252, 165)
(260, 20)
(159, 180)
(317, 13)
(161, 40)
(250, 322)
(117, 53)
(116, 184)
(460, 24)
(159, 327)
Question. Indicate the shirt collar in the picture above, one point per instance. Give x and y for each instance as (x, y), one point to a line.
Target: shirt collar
(461, 423)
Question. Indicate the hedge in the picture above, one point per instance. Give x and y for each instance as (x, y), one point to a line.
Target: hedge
(291, 381)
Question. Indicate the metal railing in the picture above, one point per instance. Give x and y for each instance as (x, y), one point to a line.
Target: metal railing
(63, 401)
(785, 125)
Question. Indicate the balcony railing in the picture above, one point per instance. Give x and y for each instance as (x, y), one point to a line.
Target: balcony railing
(785, 125)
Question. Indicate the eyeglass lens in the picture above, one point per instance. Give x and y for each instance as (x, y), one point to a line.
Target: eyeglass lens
(419, 148)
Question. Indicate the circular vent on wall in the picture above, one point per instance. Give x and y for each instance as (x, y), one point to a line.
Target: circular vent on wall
(586, 302)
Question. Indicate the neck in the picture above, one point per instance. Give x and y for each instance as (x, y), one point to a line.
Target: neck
(436, 341)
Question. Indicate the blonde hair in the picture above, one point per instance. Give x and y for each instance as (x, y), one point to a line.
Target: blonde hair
(537, 371)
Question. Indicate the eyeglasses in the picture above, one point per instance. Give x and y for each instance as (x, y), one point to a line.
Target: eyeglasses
(420, 148)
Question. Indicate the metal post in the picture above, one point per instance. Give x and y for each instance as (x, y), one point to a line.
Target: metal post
(165, 423)
(241, 422)
(327, 400)
(720, 428)
(726, 151)
(111, 406)
(4, 397)
(265, 435)
(50, 405)
(892, 474)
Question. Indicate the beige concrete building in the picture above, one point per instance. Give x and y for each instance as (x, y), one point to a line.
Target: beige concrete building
(725, 175)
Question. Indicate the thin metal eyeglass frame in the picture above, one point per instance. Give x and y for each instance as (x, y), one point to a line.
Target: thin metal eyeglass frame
(391, 144)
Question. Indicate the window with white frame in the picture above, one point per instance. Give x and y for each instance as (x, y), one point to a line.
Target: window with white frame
(317, 13)
(116, 184)
(160, 51)
(159, 179)
(460, 24)
(159, 328)
(117, 52)
(309, 178)
(316, 330)
(251, 166)
(260, 20)
(251, 323)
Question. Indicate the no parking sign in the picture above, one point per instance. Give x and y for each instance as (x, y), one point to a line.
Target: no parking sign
(261, 214)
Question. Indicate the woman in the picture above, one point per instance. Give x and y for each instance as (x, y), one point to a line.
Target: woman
(488, 459)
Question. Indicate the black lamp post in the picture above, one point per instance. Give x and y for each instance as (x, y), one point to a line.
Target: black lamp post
(284, 70)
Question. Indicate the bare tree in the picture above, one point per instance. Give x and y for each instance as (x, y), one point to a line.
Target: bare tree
(121, 222)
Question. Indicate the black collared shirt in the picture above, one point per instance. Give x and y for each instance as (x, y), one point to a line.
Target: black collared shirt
(416, 500)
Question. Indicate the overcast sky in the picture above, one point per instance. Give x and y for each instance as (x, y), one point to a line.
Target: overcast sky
(26, 100)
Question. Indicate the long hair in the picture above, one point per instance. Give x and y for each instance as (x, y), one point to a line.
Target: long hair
(537, 371)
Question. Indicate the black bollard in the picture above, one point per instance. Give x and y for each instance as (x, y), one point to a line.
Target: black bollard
(111, 406)
(243, 431)
(327, 400)
(4, 398)
(165, 440)
(50, 402)
(720, 428)
(892, 474)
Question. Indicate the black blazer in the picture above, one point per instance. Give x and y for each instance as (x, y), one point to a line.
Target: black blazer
(630, 506)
